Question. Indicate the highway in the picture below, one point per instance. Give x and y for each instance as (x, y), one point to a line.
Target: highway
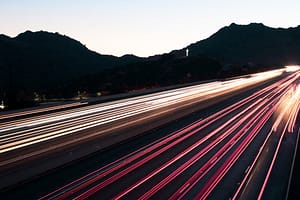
(20, 133)
(228, 153)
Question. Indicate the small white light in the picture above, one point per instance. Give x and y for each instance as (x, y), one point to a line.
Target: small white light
(292, 68)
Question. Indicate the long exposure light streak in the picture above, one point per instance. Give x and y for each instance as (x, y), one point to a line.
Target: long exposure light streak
(189, 163)
(134, 106)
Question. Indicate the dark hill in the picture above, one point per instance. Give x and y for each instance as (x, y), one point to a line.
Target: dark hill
(37, 61)
(55, 65)
(253, 43)
(43, 58)
(165, 70)
(129, 58)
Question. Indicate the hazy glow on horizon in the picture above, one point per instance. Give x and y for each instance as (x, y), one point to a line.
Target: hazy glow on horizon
(141, 27)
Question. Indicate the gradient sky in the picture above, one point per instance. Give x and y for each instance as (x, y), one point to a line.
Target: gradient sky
(141, 27)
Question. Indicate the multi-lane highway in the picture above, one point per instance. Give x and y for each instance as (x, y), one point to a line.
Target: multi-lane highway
(233, 152)
(19, 133)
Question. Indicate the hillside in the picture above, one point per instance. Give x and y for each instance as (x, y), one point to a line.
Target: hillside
(254, 43)
(43, 58)
(163, 71)
(36, 61)
(51, 65)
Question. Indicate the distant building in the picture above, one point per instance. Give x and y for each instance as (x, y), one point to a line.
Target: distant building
(187, 52)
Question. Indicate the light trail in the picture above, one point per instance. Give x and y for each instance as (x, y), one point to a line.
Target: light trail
(190, 183)
(29, 132)
(212, 117)
(272, 164)
(40, 110)
(198, 156)
(204, 151)
(214, 180)
(288, 108)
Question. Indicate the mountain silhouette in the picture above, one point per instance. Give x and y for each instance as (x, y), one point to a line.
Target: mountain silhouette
(35, 61)
(43, 57)
(55, 65)
(253, 43)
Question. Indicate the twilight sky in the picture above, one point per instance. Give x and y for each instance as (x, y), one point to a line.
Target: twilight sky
(141, 27)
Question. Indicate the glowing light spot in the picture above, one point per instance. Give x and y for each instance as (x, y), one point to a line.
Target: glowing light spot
(292, 68)
(288, 108)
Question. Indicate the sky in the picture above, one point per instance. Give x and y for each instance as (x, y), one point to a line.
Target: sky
(141, 27)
